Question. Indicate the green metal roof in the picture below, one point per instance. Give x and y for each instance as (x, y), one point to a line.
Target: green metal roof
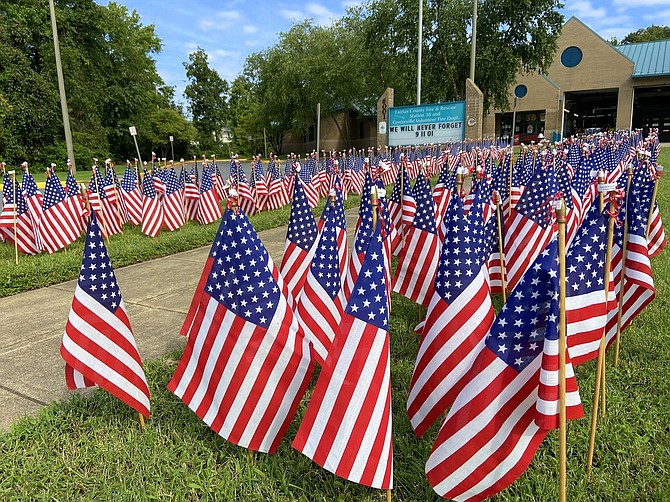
(652, 59)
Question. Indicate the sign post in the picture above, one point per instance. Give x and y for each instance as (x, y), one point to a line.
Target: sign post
(424, 124)
(133, 133)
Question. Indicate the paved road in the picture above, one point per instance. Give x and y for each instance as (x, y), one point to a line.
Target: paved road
(157, 294)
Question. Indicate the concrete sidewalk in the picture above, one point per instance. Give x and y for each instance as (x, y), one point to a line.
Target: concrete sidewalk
(157, 295)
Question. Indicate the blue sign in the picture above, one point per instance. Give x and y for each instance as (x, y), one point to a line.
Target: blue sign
(425, 124)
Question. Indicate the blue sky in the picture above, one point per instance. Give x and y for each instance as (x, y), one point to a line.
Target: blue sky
(231, 30)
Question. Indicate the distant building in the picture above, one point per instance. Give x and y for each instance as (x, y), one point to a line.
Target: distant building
(590, 86)
(339, 131)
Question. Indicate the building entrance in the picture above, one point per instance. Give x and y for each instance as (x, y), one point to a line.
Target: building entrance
(589, 112)
(651, 109)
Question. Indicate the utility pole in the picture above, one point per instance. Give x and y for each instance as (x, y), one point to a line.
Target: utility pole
(473, 45)
(418, 68)
(61, 88)
(318, 130)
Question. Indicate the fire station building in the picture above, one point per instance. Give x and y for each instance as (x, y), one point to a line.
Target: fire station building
(590, 86)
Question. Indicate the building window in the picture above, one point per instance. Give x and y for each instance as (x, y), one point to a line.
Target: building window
(361, 130)
(311, 133)
(571, 57)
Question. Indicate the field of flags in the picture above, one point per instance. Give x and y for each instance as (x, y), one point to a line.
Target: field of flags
(256, 331)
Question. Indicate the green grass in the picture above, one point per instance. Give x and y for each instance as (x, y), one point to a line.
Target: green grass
(132, 246)
(92, 448)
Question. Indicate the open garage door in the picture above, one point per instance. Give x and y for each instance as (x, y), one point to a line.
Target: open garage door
(589, 112)
(651, 109)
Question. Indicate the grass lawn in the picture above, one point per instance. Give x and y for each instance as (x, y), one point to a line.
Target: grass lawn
(93, 447)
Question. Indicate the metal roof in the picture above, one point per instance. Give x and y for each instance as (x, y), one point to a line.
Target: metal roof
(652, 59)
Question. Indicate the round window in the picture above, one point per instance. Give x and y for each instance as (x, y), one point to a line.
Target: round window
(571, 57)
(520, 91)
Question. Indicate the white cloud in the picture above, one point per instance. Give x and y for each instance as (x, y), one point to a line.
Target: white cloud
(584, 9)
(252, 43)
(222, 19)
(229, 15)
(292, 15)
(321, 14)
(640, 3)
(659, 18)
(351, 3)
(250, 29)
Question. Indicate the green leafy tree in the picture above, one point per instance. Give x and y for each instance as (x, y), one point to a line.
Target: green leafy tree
(207, 95)
(649, 34)
(110, 76)
(511, 36)
(159, 125)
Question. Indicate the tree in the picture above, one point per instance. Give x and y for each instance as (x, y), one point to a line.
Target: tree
(511, 36)
(161, 123)
(648, 34)
(110, 76)
(207, 95)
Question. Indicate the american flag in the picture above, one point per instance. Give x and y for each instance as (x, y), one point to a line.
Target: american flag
(322, 302)
(112, 199)
(347, 425)
(362, 237)
(300, 238)
(457, 320)
(277, 193)
(402, 207)
(586, 304)
(246, 363)
(152, 208)
(637, 279)
(215, 250)
(417, 265)
(34, 199)
(503, 412)
(531, 225)
(173, 203)
(209, 209)
(104, 211)
(259, 183)
(191, 195)
(72, 190)
(98, 344)
(26, 238)
(61, 216)
(656, 240)
(572, 215)
(442, 195)
(132, 195)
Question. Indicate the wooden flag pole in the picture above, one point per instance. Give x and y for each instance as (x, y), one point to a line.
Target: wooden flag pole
(623, 269)
(560, 213)
(600, 365)
(374, 202)
(659, 171)
(16, 242)
(501, 249)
